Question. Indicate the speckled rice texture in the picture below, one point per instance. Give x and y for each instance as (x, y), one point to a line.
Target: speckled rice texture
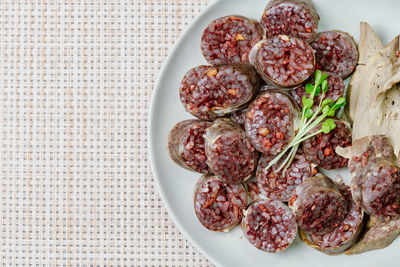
(230, 155)
(377, 189)
(321, 212)
(280, 185)
(219, 206)
(373, 163)
(336, 52)
(283, 60)
(295, 18)
(346, 233)
(318, 205)
(270, 122)
(269, 225)
(229, 39)
(191, 147)
(239, 117)
(320, 149)
(210, 92)
(253, 190)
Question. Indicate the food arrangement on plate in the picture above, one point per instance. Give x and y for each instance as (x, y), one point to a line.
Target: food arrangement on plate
(272, 110)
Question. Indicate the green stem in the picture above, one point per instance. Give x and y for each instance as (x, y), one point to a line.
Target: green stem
(303, 117)
(286, 163)
(317, 83)
(322, 98)
(280, 155)
(291, 144)
(313, 117)
(277, 158)
(314, 90)
(307, 137)
(294, 151)
(320, 107)
(313, 125)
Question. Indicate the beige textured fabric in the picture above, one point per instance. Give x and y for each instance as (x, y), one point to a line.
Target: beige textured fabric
(75, 84)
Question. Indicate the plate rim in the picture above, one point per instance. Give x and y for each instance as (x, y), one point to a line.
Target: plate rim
(150, 125)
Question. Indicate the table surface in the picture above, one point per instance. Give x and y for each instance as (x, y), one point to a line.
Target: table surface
(75, 86)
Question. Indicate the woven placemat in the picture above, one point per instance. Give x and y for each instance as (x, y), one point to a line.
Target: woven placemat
(76, 79)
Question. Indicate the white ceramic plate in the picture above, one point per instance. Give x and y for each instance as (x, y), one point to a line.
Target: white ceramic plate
(176, 184)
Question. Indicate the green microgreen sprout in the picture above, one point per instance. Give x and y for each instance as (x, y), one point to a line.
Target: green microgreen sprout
(307, 102)
(308, 113)
(311, 116)
(328, 125)
(324, 86)
(309, 88)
